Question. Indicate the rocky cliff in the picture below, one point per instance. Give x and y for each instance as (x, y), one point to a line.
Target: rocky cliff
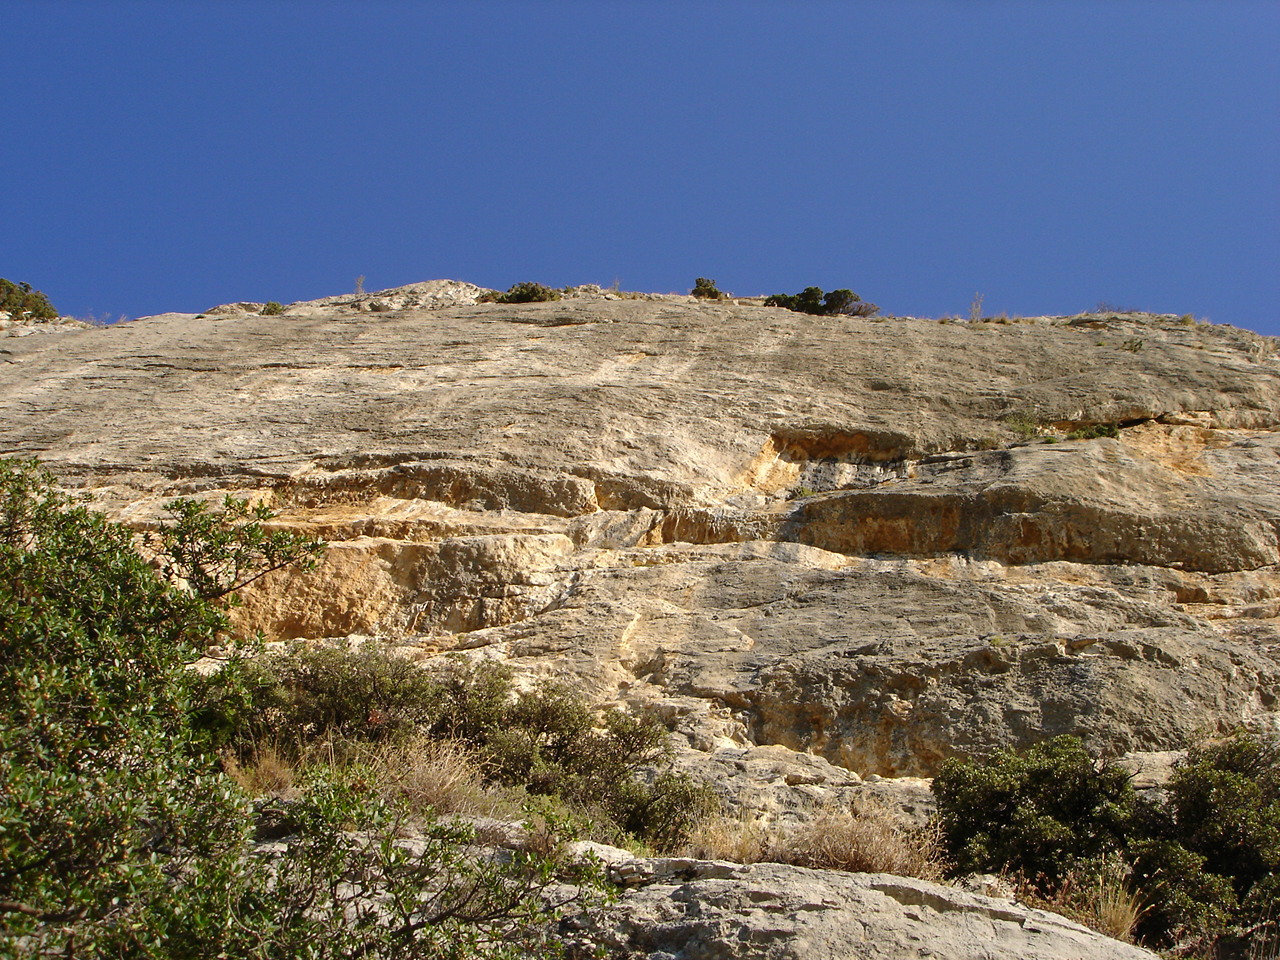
(830, 550)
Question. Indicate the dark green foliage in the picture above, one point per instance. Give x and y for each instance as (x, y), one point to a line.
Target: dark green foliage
(316, 694)
(119, 834)
(217, 552)
(1094, 432)
(522, 293)
(546, 738)
(273, 309)
(22, 303)
(1186, 901)
(705, 289)
(813, 300)
(1038, 812)
(1224, 806)
(808, 300)
(1205, 863)
(99, 769)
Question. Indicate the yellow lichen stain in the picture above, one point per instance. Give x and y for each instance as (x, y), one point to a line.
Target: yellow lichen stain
(768, 471)
(1178, 448)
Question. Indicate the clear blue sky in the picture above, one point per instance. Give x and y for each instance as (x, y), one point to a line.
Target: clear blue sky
(174, 155)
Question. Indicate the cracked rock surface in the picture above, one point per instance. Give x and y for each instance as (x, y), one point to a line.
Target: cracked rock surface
(708, 910)
(828, 550)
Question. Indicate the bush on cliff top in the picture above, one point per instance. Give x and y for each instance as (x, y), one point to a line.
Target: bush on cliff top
(22, 303)
(834, 303)
(705, 289)
(119, 834)
(521, 293)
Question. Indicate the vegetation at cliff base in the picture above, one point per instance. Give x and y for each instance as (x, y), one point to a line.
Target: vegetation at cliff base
(22, 303)
(543, 741)
(120, 833)
(1200, 867)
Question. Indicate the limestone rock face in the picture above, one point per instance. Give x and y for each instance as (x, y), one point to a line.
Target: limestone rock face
(827, 550)
(699, 910)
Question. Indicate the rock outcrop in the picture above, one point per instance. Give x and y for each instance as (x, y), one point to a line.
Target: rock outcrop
(835, 549)
(709, 910)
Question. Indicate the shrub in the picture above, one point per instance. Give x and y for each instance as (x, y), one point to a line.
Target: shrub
(22, 303)
(813, 300)
(521, 293)
(1205, 864)
(1094, 432)
(119, 834)
(1217, 853)
(545, 739)
(214, 553)
(272, 309)
(316, 694)
(1038, 812)
(705, 289)
(1025, 423)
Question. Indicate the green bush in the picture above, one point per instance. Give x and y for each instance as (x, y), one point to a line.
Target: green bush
(1205, 862)
(119, 834)
(1094, 432)
(834, 303)
(22, 303)
(1224, 812)
(1039, 812)
(310, 695)
(705, 289)
(522, 293)
(273, 309)
(546, 738)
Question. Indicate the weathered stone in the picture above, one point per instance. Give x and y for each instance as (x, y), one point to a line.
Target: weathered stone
(826, 549)
(715, 911)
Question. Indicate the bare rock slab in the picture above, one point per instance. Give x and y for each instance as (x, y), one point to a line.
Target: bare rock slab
(720, 911)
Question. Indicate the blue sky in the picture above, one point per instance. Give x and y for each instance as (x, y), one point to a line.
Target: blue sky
(179, 154)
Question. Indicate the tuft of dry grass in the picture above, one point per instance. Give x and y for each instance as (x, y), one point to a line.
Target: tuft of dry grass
(419, 775)
(442, 776)
(267, 772)
(867, 837)
(1099, 899)
(742, 839)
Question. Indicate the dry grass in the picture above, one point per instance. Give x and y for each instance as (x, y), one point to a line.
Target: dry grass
(868, 837)
(740, 839)
(268, 772)
(1102, 901)
(419, 775)
(432, 775)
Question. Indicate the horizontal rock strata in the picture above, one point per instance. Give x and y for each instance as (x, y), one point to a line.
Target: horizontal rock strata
(835, 549)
